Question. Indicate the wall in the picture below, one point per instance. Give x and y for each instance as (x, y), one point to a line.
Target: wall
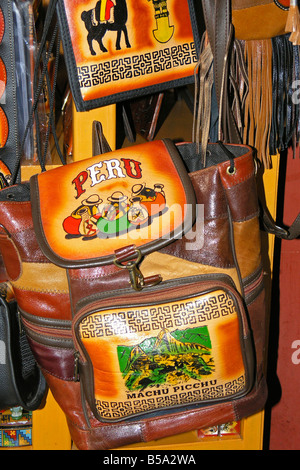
(284, 378)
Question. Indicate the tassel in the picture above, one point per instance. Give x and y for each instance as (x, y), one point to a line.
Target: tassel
(293, 23)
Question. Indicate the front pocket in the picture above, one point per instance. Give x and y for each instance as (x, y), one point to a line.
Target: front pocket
(180, 344)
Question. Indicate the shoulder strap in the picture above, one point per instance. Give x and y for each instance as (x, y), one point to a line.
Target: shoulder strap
(290, 233)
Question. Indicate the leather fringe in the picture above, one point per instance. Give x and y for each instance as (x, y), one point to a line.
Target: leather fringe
(268, 112)
(258, 103)
(285, 115)
(263, 79)
(239, 83)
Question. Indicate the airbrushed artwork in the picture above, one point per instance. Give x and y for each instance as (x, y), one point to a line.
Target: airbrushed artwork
(162, 354)
(120, 213)
(126, 45)
(112, 200)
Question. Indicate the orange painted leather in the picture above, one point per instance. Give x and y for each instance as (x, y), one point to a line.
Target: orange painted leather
(3, 128)
(2, 25)
(3, 77)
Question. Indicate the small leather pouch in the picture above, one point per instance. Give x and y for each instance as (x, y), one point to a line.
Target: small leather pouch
(116, 50)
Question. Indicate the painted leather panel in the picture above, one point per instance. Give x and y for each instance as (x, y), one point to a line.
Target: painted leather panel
(125, 46)
(3, 76)
(264, 18)
(138, 196)
(163, 354)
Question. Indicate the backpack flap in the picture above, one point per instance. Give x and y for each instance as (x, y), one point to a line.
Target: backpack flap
(88, 212)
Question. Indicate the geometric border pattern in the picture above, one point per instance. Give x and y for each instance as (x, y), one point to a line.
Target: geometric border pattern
(136, 66)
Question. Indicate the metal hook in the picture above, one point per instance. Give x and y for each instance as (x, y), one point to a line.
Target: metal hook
(137, 280)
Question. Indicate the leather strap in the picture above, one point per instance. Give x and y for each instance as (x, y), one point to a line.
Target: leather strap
(100, 144)
(220, 35)
(204, 79)
(39, 79)
(290, 233)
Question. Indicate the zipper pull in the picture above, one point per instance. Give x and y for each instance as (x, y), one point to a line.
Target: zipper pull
(76, 366)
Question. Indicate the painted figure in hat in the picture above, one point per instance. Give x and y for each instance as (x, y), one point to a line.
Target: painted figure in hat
(118, 215)
(114, 215)
(82, 221)
(151, 199)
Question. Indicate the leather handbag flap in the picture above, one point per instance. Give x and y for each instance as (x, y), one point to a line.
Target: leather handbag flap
(137, 196)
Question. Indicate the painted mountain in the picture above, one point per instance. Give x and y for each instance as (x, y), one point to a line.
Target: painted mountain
(169, 358)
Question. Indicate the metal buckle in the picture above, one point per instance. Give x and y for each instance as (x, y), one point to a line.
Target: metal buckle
(137, 280)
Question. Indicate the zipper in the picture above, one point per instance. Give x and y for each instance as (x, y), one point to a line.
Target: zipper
(43, 330)
(46, 331)
(252, 289)
(76, 366)
(53, 333)
(176, 283)
(153, 295)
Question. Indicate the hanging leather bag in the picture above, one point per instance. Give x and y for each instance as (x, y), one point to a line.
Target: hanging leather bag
(145, 339)
(142, 288)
